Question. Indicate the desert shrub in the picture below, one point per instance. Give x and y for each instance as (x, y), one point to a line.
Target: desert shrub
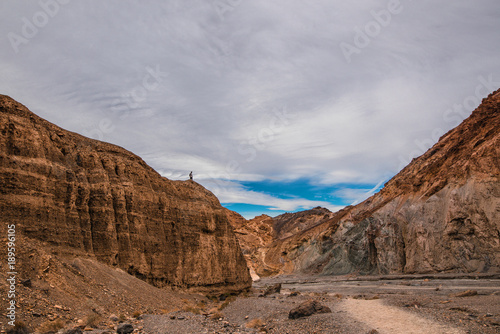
(216, 315)
(92, 320)
(18, 328)
(202, 305)
(51, 326)
(191, 308)
(255, 323)
(227, 302)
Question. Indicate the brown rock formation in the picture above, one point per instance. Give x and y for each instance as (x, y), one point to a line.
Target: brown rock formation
(258, 234)
(288, 224)
(307, 309)
(253, 236)
(439, 214)
(92, 198)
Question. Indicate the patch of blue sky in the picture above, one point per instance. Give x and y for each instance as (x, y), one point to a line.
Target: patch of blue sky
(337, 195)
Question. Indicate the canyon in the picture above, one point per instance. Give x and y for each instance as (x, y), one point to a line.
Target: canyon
(95, 224)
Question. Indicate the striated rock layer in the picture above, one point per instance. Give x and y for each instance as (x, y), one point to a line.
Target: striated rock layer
(254, 235)
(92, 198)
(439, 214)
(258, 234)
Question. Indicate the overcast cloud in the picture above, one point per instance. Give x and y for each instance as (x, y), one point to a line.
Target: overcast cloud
(244, 92)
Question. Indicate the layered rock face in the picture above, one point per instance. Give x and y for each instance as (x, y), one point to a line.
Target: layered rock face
(289, 224)
(92, 198)
(439, 214)
(254, 235)
(257, 235)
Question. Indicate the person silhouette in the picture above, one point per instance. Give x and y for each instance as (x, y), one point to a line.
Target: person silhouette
(191, 175)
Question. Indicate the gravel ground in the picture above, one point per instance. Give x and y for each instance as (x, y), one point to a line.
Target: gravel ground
(273, 311)
(271, 314)
(185, 323)
(432, 301)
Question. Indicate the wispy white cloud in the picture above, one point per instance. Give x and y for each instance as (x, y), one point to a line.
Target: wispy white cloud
(224, 76)
(233, 192)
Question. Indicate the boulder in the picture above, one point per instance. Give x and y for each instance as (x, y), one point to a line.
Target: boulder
(125, 328)
(308, 308)
(275, 288)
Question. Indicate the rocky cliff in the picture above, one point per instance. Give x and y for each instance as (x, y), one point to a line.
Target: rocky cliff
(439, 214)
(254, 235)
(257, 235)
(90, 198)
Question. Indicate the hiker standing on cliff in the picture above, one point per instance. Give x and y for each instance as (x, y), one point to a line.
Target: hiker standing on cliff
(191, 175)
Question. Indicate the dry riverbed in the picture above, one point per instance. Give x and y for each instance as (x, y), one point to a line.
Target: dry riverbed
(395, 305)
(407, 304)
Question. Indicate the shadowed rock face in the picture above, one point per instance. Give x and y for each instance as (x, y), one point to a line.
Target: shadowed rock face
(258, 234)
(439, 214)
(253, 236)
(92, 198)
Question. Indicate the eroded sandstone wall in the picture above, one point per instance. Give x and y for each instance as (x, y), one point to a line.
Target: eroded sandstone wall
(92, 198)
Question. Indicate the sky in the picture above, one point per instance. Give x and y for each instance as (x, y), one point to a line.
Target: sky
(276, 106)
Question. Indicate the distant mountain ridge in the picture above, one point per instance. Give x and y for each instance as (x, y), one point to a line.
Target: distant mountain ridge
(441, 213)
(93, 199)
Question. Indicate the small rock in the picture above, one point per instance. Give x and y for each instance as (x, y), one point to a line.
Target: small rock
(113, 318)
(308, 308)
(88, 329)
(26, 283)
(181, 317)
(58, 307)
(294, 294)
(275, 288)
(125, 329)
(172, 317)
(76, 330)
(373, 331)
(246, 317)
(467, 293)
